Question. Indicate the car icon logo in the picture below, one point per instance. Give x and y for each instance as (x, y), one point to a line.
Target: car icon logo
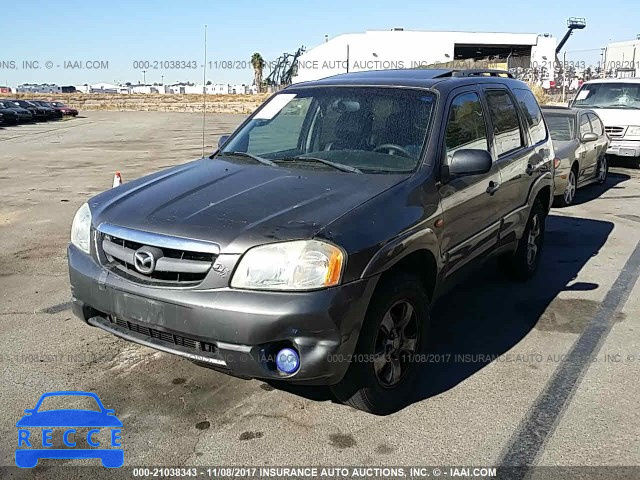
(37, 428)
(144, 260)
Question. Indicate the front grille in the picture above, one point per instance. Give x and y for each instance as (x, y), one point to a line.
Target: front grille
(615, 132)
(167, 337)
(170, 266)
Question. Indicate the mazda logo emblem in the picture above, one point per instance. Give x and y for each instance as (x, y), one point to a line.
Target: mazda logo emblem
(144, 260)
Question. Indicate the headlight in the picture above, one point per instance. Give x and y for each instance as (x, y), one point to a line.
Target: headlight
(296, 265)
(81, 228)
(633, 131)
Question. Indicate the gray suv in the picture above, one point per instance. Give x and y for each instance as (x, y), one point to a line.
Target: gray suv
(309, 247)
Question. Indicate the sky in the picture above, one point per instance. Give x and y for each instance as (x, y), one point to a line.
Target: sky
(69, 33)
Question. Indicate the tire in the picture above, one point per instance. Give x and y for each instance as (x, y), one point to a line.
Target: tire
(523, 264)
(388, 390)
(569, 194)
(603, 170)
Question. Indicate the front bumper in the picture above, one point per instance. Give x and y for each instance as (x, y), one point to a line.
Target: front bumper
(624, 148)
(235, 331)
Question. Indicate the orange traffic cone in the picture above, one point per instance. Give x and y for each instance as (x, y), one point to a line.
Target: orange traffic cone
(117, 179)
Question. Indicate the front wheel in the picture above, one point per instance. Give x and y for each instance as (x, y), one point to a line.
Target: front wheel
(383, 372)
(603, 170)
(524, 262)
(566, 198)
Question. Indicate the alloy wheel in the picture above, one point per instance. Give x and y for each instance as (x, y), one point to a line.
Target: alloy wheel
(570, 191)
(533, 239)
(602, 172)
(397, 339)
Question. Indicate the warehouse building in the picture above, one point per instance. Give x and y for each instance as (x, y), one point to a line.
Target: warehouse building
(622, 59)
(399, 48)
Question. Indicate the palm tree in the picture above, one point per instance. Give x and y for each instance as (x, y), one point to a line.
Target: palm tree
(257, 62)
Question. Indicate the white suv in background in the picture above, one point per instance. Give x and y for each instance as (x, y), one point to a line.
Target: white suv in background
(617, 101)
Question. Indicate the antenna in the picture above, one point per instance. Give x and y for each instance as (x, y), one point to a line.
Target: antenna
(204, 89)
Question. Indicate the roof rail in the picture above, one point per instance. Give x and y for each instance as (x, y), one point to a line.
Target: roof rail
(478, 72)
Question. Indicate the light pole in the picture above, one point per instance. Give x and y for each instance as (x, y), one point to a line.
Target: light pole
(144, 76)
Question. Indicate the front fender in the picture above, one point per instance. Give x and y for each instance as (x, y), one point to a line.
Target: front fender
(415, 239)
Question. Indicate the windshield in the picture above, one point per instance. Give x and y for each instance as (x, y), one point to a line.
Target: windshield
(609, 95)
(562, 127)
(375, 130)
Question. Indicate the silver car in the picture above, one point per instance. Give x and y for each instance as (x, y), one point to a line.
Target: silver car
(580, 143)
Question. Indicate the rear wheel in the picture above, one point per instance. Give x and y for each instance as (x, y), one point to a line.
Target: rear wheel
(383, 373)
(524, 263)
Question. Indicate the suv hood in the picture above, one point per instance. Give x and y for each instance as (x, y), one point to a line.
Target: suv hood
(237, 205)
(618, 117)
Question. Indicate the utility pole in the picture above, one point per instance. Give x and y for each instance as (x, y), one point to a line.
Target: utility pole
(204, 90)
(144, 76)
(564, 75)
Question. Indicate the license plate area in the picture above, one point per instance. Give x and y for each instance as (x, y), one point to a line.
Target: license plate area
(139, 309)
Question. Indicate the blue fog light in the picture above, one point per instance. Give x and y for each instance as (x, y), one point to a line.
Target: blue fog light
(287, 360)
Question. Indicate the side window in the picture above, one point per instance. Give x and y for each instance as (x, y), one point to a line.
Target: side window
(466, 126)
(585, 126)
(506, 125)
(596, 125)
(275, 135)
(532, 113)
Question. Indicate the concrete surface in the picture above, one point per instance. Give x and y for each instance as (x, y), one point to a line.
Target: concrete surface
(469, 411)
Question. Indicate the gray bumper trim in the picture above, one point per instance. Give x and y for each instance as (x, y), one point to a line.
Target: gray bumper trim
(102, 323)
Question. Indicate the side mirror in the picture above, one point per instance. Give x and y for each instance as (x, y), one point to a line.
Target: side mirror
(469, 161)
(30, 410)
(223, 139)
(589, 137)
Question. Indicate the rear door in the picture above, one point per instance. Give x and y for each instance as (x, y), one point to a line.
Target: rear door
(520, 161)
(471, 219)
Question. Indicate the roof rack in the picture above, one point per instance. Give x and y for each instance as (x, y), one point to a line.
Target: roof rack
(479, 72)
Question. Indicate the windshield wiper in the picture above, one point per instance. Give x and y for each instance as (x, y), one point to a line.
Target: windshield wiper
(263, 161)
(338, 166)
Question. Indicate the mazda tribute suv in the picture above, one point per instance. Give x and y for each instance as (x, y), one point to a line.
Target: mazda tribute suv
(310, 245)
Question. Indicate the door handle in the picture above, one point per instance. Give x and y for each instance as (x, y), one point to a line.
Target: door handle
(493, 187)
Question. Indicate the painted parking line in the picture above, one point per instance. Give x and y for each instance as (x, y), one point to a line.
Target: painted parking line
(526, 443)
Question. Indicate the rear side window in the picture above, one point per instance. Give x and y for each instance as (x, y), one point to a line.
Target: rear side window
(465, 126)
(596, 125)
(532, 114)
(506, 125)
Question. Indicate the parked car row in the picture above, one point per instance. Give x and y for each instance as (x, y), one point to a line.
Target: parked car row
(580, 143)
(13, 112)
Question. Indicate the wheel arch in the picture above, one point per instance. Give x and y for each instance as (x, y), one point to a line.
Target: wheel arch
(419, 259)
